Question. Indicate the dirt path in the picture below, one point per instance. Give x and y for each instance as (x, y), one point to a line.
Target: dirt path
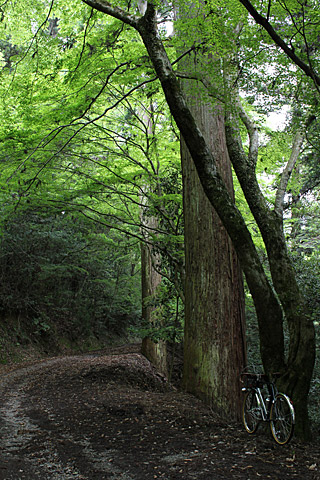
(111, 416)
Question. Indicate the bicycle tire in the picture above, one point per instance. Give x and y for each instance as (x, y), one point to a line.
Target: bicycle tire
(251, 414)
(282, 419)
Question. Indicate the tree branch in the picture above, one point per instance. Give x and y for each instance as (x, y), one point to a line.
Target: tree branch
(115, 12)
(244, 165)
(286, 174)
(281, 43)
(84, 42)
(253, 133)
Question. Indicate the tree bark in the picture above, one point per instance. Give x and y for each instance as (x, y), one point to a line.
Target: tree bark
(156, 352)
(214, 340)
(214, 335)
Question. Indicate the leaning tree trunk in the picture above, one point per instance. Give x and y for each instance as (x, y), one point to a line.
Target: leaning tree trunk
(298, 367)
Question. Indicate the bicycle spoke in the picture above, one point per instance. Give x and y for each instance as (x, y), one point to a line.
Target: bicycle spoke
(282, 419)
(251, 414)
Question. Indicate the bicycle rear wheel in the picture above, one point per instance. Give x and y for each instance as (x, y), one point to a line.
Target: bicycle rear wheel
(282, 419)
(251, 414)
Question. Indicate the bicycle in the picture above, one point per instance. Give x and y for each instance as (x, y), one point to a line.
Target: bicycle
(273, 407)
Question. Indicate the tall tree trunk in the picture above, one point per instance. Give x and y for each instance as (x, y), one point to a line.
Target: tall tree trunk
(156, 352)
(214, 342)
(214, 339)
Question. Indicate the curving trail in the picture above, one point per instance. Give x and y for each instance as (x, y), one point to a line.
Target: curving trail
(111, 416)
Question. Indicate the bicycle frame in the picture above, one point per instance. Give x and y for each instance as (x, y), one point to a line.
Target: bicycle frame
(261, 404)
(265, 408)
(272, 392)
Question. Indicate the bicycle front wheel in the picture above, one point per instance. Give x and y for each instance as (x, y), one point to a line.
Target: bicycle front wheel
(282, 419)
(251, 414)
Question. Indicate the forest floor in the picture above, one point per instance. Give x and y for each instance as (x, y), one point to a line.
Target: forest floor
(110, 415)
